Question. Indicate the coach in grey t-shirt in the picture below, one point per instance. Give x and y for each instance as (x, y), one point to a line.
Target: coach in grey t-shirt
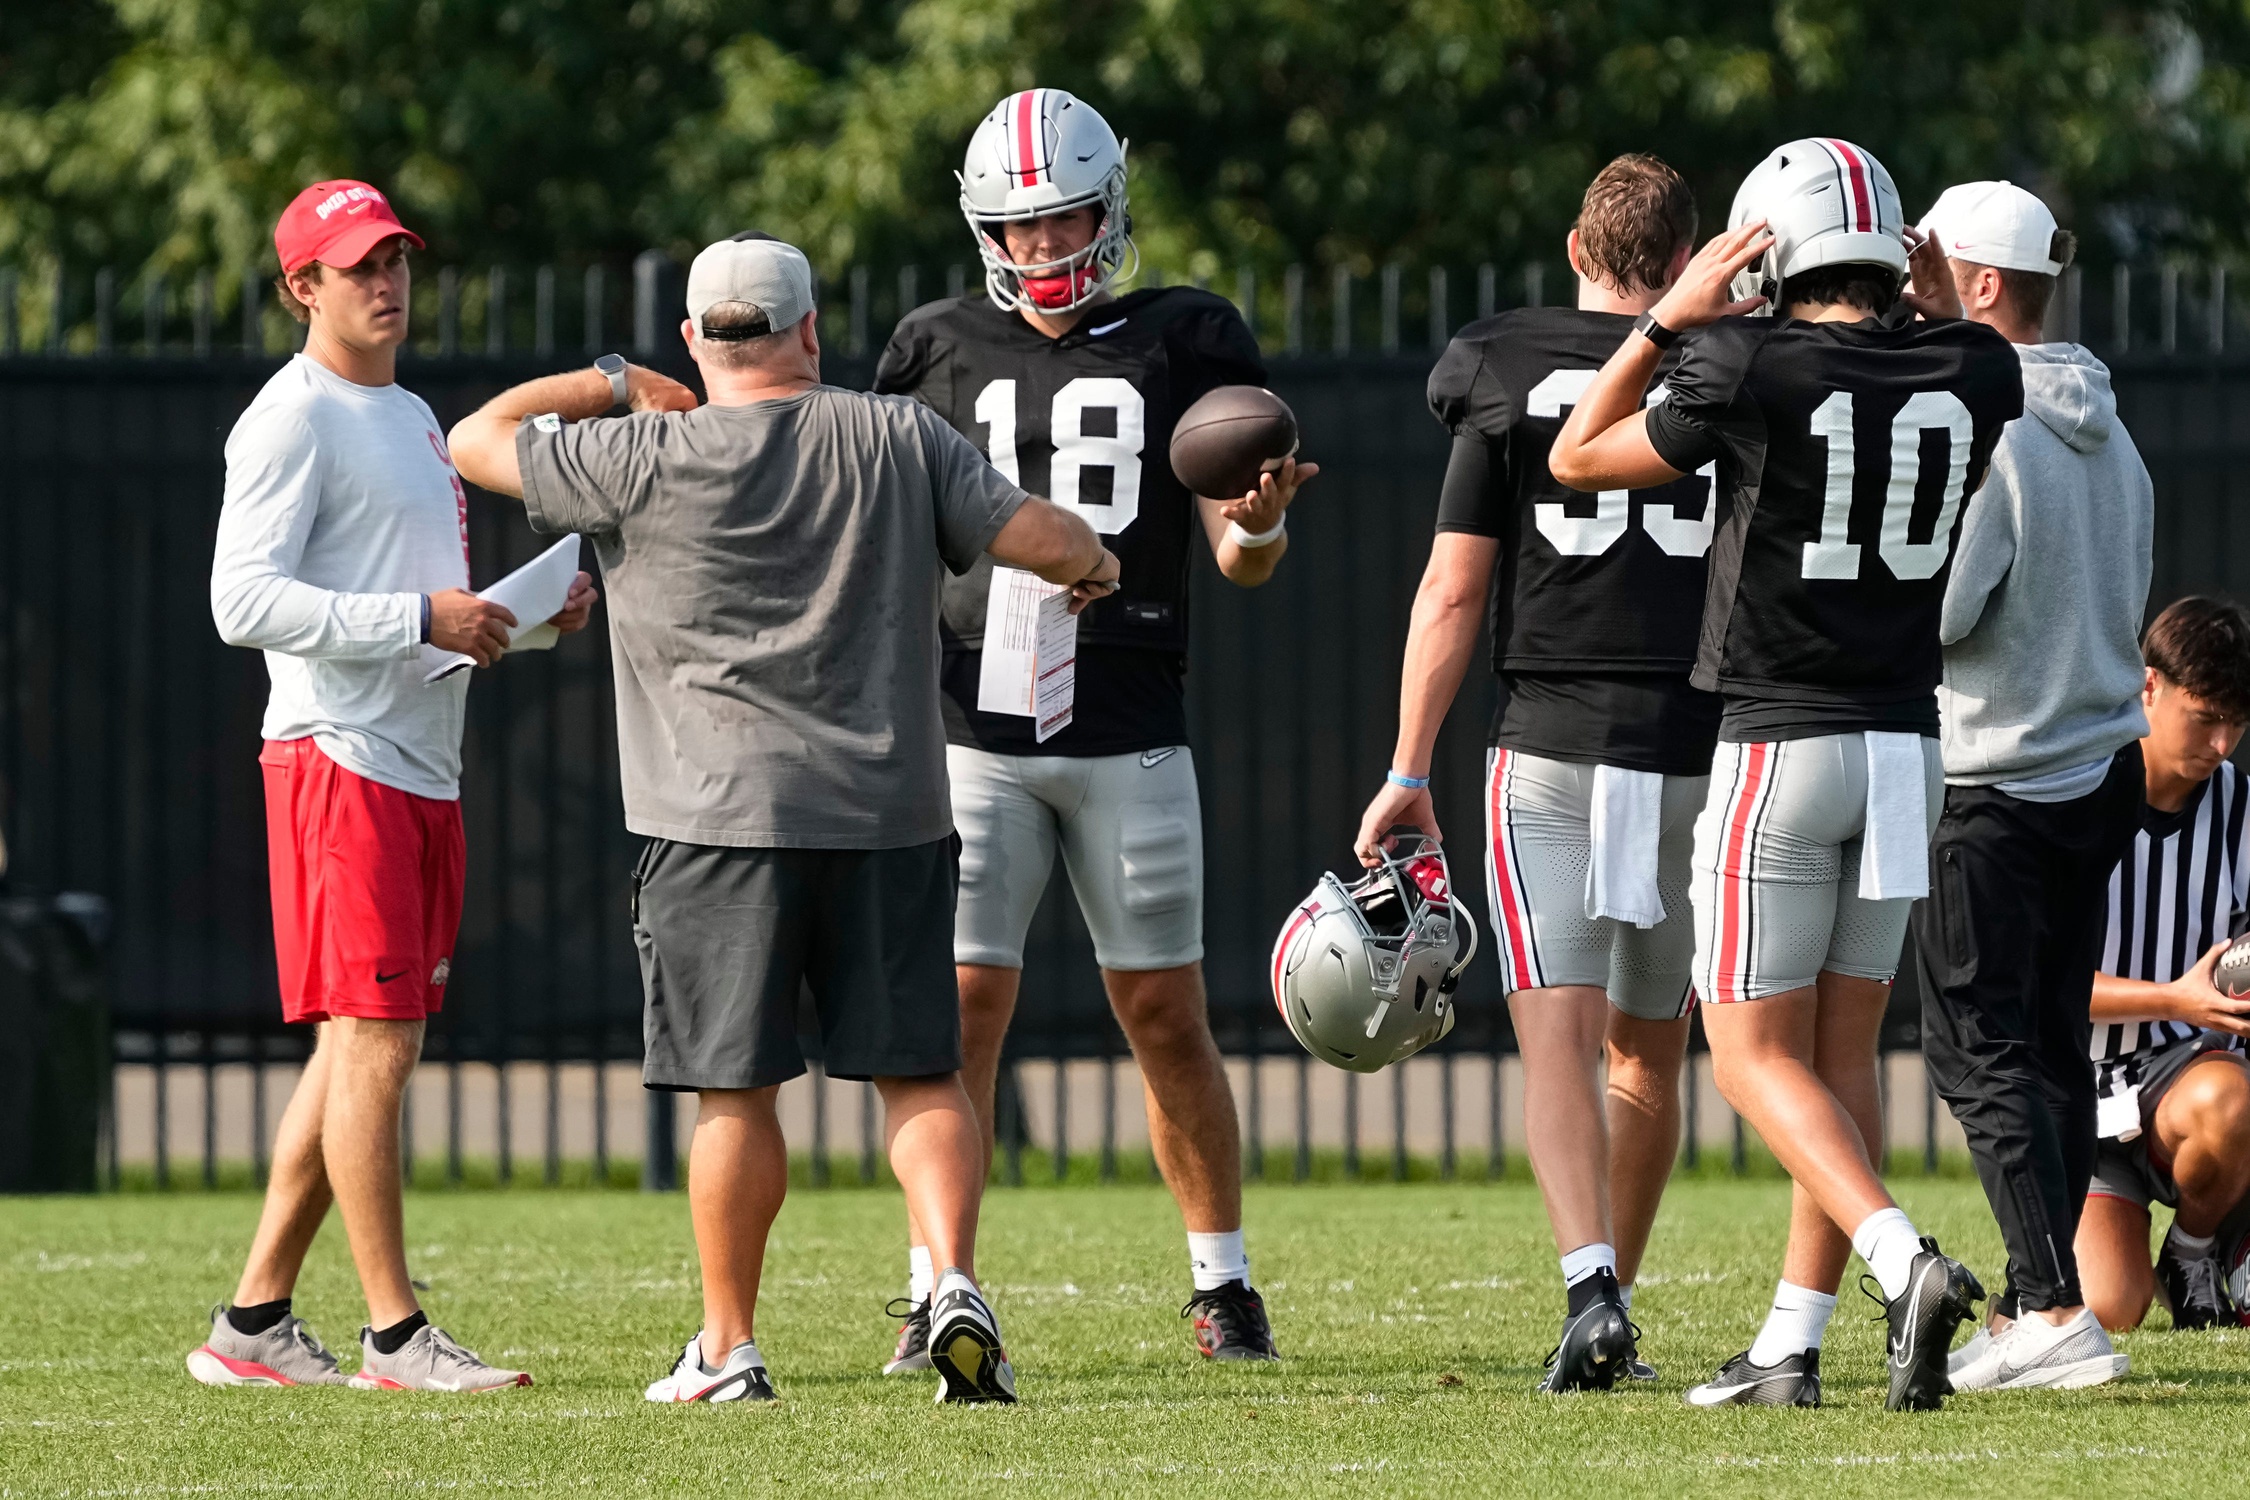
(773, 561)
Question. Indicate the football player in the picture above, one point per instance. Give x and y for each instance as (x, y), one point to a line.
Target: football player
(1074, 390)
(1848, 434)
(1594, 605)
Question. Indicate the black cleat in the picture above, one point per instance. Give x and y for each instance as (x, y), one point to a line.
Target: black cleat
(2192, 1291)
(1596, 1345)
(1795, 1381)
(1230, 1323)
(913, 1351)
(1941, 1294)
(965, 1346)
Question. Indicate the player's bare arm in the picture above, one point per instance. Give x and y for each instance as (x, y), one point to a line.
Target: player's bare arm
(2192, 998)
(1448, 614)
(1257, 512)
(484, 442)
(1604, 443)
(1043, 538)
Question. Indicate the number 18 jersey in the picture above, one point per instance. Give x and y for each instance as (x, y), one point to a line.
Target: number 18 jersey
(1846, 452)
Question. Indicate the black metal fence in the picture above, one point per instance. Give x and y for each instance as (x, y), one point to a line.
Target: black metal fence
(128, 733)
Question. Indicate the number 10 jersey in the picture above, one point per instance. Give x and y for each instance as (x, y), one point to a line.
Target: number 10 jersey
(1846, 453)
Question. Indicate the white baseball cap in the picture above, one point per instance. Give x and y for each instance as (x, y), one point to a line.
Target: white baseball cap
(773, 276)
(1995, 224)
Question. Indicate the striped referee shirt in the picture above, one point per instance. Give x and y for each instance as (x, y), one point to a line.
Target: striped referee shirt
(2184, 885)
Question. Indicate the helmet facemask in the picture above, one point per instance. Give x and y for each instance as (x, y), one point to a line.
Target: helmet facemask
(1067, 284)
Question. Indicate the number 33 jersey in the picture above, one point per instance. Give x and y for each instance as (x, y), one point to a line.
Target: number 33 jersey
(1846, 453)
(1085, 420)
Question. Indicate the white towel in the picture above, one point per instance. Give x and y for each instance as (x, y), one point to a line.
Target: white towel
(1894, 854)
(1628, 816)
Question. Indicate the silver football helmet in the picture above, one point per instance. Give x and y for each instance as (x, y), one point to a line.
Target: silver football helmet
(1825, 202)
(1043, 151)
(1364, 974)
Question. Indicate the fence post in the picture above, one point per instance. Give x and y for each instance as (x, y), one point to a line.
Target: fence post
(1535, 285)
(253, 331)
(859, 310)
(660, 1162)
(1441, 321)
(163, 1111)
(1246, 298)
(58, 309)
(1351, 1125)
(105, 310)
(1340, 301)
(2168, 308)
(817, 1075)
(210, 1069)
(1254, 1149)
(1391, 274)
(1302, 1166)
(956, 282)
(553, 1164)
(909, 289)
(2121, 307)
(543, 311)
(870, 1132)
(449, 311)
(2074, 291)
(1293, 309)
(1496, 1141)
(204, 300)
(1929, 1123)
(1488, 290)
(601, 1115)
(258, 1160)
(1062, 1119)
(503, 1119)
(648, 270)
(591, 314)
(1741, 1159)
(1445, 1103)
(2218, 308)
(10, 336)
(1398, 1124)
(1694, 1093)
(452, 1114)
(496, 311)
(1010, 1112)
(153, 296)
(1109, 1118)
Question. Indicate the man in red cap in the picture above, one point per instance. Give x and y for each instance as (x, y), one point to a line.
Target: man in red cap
(342, 552)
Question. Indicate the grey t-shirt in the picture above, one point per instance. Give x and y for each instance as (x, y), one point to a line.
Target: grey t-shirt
(773, 581)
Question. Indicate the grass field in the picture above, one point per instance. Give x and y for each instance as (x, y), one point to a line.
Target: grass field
(1414, 1318)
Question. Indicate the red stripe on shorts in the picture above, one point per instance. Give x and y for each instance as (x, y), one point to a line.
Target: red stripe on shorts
(1512, 912)
(1733, 969)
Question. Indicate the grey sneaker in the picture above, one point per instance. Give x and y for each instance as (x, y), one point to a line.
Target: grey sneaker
(285, 1354)
(2032, 1354)
(429, 1361)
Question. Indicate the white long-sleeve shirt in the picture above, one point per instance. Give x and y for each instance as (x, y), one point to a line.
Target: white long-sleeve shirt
(342, 510)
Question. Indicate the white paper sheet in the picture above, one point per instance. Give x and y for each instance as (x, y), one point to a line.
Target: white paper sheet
(533, 593)
(1030, 651)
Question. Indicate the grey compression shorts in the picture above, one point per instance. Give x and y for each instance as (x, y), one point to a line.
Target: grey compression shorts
(1777, 854)
(1539, 848)
(1130, 831)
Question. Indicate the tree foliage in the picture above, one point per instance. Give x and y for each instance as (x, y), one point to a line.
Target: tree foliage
(169, 132)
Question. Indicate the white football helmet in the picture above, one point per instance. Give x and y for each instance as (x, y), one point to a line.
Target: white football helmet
(1826, 202)
(1364, 974)
(1041, 152)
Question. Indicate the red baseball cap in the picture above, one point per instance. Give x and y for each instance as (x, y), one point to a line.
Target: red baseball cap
(336, 223)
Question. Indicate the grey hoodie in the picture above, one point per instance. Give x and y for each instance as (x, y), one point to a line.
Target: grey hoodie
(2042, 616)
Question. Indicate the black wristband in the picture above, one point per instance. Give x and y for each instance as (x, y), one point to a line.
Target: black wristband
(425, 619)
(1656, 333)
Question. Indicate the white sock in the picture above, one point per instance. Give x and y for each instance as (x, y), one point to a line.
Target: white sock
(1886, 1239)
(2192, 1246)
(919, 1277)
(1216, 1259)
(1586, 1260)
(1797, 1321)
(1625, 1295)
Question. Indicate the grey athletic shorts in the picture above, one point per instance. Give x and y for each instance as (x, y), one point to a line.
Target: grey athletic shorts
(1130, 829)
(2136, 1170)
(1538, 817)
(1777, 868)
(730, 938)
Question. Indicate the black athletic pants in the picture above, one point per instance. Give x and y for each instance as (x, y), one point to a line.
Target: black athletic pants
(2005, 948)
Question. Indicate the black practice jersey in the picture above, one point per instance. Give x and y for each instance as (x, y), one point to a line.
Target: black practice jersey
(1597, 599)
(1846, 453)
(1085, 420)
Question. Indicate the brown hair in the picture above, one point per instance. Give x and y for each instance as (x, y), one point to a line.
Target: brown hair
(2202, 646)
(289, 302)
(1636, 215)
(2029, 292)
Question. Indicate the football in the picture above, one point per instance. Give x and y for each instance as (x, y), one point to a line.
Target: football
(2232, 972)
(1223, 441)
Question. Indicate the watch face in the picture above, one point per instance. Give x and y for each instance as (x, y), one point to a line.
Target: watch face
(611, 364)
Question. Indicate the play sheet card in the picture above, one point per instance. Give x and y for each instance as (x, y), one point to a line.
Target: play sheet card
(533, 593)
(1030, 651)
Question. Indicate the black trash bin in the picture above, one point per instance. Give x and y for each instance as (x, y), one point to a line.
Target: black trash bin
(54, 1042)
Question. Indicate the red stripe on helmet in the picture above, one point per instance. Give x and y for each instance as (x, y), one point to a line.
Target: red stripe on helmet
(1863, 198)
(1297, 923)
(1027, 127)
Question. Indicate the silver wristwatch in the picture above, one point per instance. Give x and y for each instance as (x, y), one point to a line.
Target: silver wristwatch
(613, 365)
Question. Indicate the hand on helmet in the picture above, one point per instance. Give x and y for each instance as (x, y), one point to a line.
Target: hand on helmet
(1932, 292)
(1392, 806)
(1701, 294)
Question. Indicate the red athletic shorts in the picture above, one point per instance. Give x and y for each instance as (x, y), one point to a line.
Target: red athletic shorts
(366, 889)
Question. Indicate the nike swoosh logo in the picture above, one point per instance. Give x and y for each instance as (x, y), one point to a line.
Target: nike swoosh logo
(1158, 757)
(1095, 333)
(383, 978)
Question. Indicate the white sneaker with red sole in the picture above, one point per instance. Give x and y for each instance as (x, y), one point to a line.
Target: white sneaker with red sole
(288, 1353)
(429, 1361)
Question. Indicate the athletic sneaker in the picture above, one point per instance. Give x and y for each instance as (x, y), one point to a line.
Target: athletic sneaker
(1979, 1344)
(965, 1347)
(285, 1354)
(1230, 1323)
(1940, 1295)
(429, 1361)
(2033, 1354)
(913, 1351)
(2193, 1291)
(1795, 1381)
(1595, 1347)
(741, 1378)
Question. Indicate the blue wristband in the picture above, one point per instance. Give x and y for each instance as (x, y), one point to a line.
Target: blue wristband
(425, 619)
(1411, 783)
